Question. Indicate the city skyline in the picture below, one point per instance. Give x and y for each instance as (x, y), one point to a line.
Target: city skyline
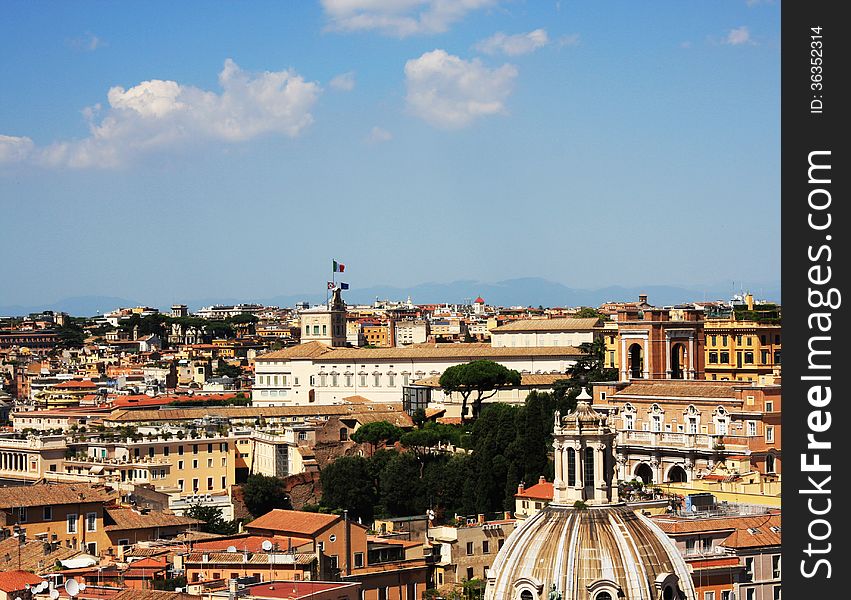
(231, 155)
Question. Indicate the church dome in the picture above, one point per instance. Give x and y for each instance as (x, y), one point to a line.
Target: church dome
(594, 553)
(586, 545)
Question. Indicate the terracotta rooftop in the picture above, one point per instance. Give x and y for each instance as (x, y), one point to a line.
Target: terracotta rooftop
(152, 595)
(51, 494)
(559, 324)
(293, 521)
(32, 555)
(14, 581)
(236, 558)
(539, 491)
(127, 518)
(250, 543)
(745, 531)
(681, 389)
(75, 384)
(236, 412)
(291, 590)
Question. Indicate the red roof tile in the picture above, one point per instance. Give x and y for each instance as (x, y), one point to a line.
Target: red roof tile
(293, 521)
(14, 581)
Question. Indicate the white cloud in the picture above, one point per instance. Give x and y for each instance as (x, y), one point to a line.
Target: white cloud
(14, 149)
(378, 135)
(513, 45)
(345, 82)
(398, 18)
(449, 92)
(738, 36)
(571, 39)
(163, 115)
(88, 42)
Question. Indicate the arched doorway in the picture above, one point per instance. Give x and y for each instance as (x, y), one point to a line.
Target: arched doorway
(677, 474)
(644, 472)
(636, 361)
(678, 361)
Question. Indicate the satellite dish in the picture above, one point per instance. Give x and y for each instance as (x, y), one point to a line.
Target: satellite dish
(54, 594)
(42, 586)
(82, 586)
(266, 545)
(231, 549)
(72, 587)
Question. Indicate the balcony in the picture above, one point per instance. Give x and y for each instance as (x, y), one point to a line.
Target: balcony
(684, 441)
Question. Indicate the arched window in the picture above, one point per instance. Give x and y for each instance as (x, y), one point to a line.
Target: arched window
(603, 596)
(526, 595)
(588, 471)
(571, 467)
(668, 593)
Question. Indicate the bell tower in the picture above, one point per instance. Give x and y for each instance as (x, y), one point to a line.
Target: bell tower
(583, 446)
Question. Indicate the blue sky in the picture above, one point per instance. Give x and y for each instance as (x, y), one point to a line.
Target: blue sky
(167, 151)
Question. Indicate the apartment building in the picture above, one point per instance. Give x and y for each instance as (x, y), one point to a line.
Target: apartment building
(468, 551)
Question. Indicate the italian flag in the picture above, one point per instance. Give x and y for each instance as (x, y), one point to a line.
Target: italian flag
(339, 267)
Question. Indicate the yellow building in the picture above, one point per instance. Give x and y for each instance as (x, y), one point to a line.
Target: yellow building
(745, 345)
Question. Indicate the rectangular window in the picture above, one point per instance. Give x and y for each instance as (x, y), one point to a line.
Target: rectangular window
(656, 420)
(180, 450)
(91, 521)
(750, 594)
(762, 339)
(22, 514)
(749, 341)
(775, 566)
(708, 595)
(764, 354)
(209, 463)
(724, 358)
(165, 450)
(151, 452)
(209, 448)
(377, 379)
(316, 330)
(769, 434)
(195, 463)
(194, 448)
(629, 422)
(486, 547)
(769, 406)
(777, 357)
(723, 340)
(224, 483)
(209, 483)
(391, 380)
(748, 358)
(470, 574)
(180, 464)
(776, 592)
(725, 595)
(48, 513)
(751, 428)
(71, 521)
(195, 485)
(749, 567)
(180, 484)
(469, 548)
(500, 543)
(363, 380)
(691, 544)
(713, 358)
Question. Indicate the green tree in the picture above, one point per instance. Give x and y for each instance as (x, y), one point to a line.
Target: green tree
(419, 417)
(262, 493)
(586, 312)
(348, 483)
(227, 370)
(377, 432)
(484, 377)
(402, 492)
(213, 520)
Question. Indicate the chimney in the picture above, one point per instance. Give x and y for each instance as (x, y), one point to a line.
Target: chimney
(521, 487)
(507, 515)
(481, 519)
(542, 479)
(642, 298)
(749, 300)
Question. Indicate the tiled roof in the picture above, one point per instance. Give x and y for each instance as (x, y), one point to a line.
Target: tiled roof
(560, 324)
(306, 350)
(737, 526)
(75, 384)
(526, 379)
(51, 494)
(236, 558)
(539, 491)
(131, 594)
(32, 555)
(127, 518)
(293, 521)
(680, 389)
(320, 353)
(250, 543)
(14, 581)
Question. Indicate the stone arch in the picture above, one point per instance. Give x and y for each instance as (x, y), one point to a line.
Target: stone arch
(644, 472)
(635, 354)
(677, 474)
(678, 360)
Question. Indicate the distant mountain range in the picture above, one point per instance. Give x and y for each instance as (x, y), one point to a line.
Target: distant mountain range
(527, 291)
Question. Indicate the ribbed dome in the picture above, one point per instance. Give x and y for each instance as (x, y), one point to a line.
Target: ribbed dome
(596, 553)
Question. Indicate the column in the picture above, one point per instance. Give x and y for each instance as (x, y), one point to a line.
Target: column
(668, 355)
(691, 356)
(579, 456)
(558, 459)
(624, 360)
(646, 344)
(599, 474)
